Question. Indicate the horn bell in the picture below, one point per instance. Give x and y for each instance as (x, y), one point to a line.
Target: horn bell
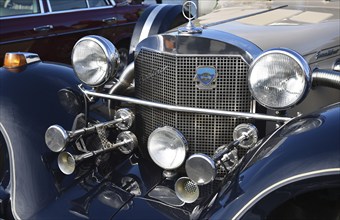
(66, 162)
(186, 190)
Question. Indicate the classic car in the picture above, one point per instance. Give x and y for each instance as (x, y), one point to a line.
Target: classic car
(233, 115)
(31, 25)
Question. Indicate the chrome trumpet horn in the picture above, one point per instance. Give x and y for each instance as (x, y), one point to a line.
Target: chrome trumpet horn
(202, 169)
(126, 142)
(186, 190)
(56, 137)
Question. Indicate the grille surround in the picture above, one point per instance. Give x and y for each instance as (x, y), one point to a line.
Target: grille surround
(168, 78)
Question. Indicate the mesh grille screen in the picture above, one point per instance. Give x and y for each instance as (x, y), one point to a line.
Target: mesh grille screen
(169, 79)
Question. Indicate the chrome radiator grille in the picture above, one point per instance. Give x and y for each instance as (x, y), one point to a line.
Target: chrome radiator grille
(169, 79)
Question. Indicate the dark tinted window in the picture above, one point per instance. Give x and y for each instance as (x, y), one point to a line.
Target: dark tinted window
(97, 3)
(61, 5)
(18, 7)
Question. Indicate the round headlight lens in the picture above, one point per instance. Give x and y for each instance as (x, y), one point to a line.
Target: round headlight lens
(167, 147)
(279, 79)
(95, 60)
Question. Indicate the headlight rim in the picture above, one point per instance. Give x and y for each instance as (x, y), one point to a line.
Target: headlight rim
(303, 64)
(111, 54)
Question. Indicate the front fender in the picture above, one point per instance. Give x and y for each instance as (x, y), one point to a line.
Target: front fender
(304, 149)
(156, 19)
(28, 106)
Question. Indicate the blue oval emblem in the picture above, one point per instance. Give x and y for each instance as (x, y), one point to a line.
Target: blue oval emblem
(205, 76)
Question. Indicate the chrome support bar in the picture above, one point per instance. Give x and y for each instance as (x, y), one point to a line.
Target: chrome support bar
(245, 115)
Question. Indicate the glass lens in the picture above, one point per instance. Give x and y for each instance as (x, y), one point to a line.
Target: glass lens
(167, 147)
(277, 81)
(90, 63)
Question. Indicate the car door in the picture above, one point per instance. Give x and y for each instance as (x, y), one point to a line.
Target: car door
(21, 25)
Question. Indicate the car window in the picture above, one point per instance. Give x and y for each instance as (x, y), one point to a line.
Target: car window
(97, 3)
(61, 5)
(18, 7)
(123, 2)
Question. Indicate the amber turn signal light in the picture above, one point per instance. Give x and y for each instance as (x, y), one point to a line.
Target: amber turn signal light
(13, 60)
(19, 59)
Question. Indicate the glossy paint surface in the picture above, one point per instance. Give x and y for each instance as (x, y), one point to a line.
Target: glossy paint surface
(303, 149)
(28, 106)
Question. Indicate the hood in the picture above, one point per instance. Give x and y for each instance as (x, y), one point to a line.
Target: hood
(272, 24)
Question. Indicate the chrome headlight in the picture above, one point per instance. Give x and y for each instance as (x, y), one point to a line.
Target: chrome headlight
(167, 147)
(279, 78)
(95, 60)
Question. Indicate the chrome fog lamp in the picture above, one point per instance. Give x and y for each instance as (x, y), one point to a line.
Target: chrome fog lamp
(56, 138)
(95, 60)
(167, 147)
(279, 78)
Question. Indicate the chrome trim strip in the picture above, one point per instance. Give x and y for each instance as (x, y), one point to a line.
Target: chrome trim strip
(31, 57)
(54, 12)
(285, 182)
(49, 6)
(12, 174)
(22, 16)
(245, 115)
(113, 3)
(149, 21)
(79, 9)
(42, 9)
